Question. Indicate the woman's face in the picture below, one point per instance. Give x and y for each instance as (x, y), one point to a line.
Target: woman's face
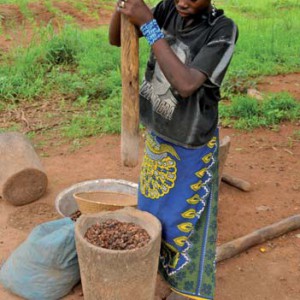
(188, 8)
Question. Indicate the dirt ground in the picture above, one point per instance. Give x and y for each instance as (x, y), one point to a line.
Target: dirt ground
(268, 159)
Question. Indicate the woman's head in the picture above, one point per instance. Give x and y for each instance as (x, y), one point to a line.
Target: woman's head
(189, 8)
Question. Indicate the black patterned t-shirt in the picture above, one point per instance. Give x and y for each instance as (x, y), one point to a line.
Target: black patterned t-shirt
(206, 45)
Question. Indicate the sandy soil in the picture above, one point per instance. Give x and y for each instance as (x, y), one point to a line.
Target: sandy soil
(269, 160)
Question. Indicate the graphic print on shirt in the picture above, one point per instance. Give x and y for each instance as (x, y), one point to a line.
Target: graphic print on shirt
(158, 89)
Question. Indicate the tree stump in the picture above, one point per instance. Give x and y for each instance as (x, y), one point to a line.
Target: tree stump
(22, 177)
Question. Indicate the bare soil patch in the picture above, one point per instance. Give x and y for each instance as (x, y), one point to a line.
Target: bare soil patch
(79, 17)
(41, 14)
(30, 215)
(11, 15)
(19, 30)
(11, 18)
(282, 83)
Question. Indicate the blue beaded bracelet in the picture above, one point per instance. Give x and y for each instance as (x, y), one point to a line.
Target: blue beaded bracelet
(152, 32)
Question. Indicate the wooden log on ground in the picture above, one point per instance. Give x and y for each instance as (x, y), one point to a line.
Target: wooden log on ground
(229, 179)
(130, 93)
(223, 153)
(22, 177)
(259, 236)
(236, 182)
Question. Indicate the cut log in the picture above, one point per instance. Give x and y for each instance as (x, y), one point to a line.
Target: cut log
(236, 182)
(259, 236)
(223, 153)
(22, 177)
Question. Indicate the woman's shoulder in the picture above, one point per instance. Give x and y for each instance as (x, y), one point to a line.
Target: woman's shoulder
(221, 19)
(223, 24)
(224, 20)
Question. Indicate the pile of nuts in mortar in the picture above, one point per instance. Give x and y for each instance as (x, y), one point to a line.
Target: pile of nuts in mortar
(115, 235)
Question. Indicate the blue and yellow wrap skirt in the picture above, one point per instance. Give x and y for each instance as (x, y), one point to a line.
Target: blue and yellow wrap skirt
(180, 187)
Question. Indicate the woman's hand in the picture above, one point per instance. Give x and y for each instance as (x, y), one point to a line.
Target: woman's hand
(137, 11)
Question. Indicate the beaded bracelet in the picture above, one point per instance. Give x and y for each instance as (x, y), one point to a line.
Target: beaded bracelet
(152, 32)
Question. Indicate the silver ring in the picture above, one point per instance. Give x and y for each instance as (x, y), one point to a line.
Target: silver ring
(122, 4)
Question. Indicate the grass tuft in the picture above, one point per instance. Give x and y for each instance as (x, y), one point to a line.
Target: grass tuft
(248, 113)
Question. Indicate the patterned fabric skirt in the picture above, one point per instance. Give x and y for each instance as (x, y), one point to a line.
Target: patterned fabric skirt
(180, 187)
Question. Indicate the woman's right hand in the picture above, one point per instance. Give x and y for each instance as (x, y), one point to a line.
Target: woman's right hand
(137, 11)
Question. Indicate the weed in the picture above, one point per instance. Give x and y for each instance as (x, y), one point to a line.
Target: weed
(80, 6)
(248, 113)
(296, 135)
(48, 4)
(280, 107)
(285, 4)
(23, 5)
(237, 83)
(62, 49)
(244, 107)
(44, 154)
(75, 145)
(82, 101)
(1, 19)
(12, 128)
(31, 135)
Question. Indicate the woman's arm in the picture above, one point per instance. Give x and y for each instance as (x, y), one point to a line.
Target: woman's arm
(183, 79)
(114, 28)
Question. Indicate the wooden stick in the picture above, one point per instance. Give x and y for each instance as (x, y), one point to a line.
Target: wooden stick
(236, 182)
(130, 93)
(241, 244)
(223, 153)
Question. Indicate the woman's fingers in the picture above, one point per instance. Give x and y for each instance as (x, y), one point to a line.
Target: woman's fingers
(136, 10)
(122, 4)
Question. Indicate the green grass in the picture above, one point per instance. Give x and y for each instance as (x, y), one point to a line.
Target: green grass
(248, 113)
(80, 65)
(269, 41)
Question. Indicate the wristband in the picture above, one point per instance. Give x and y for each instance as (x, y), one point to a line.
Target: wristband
(152, 32)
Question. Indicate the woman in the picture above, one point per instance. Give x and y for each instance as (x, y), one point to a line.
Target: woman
(191, 47)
